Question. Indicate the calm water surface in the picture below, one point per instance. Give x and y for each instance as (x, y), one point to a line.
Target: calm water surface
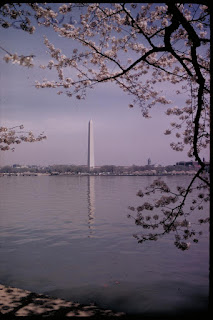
(70, 237)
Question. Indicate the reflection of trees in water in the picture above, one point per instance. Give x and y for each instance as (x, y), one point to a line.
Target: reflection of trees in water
(91, 204)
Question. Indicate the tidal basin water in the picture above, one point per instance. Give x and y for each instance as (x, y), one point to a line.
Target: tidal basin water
(69, 237)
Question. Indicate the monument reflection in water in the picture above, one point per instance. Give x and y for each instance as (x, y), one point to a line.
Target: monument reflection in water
(91, 204)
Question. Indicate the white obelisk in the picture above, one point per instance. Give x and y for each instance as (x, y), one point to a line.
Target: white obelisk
(91, 163)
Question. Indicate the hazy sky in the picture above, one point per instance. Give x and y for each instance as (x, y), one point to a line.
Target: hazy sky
(121, 135)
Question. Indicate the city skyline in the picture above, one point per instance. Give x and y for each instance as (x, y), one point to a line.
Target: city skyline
(148, 164)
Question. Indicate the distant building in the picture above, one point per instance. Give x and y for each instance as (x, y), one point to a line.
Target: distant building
(184, 163)
(16, 165)
(188, 164)
(149, 162)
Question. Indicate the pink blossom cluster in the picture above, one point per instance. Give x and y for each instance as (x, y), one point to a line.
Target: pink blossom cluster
(12, 136)
(25, 61)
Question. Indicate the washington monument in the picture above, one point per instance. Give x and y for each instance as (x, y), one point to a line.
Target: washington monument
(91, 163)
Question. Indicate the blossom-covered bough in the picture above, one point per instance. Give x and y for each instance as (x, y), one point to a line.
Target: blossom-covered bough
(140, 47)
(9, 137)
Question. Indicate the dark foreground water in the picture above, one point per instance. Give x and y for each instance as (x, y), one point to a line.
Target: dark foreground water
(70, 237)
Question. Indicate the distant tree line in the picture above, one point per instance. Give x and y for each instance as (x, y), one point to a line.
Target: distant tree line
(112, 169)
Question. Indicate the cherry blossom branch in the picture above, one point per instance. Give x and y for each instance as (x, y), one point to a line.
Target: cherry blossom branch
(168, 32)
(169, 223)
(10, 136)
(134, 23)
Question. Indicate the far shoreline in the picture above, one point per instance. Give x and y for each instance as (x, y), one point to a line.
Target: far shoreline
(28, 174)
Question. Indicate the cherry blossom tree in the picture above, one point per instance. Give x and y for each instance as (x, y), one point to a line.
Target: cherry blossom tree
(142, 48)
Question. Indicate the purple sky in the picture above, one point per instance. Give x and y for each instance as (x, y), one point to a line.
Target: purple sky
(121, 135)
